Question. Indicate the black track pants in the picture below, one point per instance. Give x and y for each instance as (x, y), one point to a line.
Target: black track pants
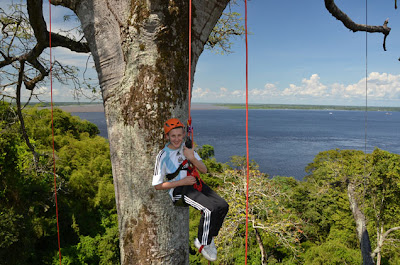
(213, 210)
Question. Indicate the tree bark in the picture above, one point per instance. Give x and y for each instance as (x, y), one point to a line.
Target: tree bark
(264, 256)
(140, 49)
(361, 226)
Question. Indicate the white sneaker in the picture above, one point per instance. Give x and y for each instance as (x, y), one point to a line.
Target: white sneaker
(213, 247)
(208, 251)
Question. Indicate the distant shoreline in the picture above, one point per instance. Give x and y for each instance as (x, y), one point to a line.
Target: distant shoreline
(98, 107)
(308, 107)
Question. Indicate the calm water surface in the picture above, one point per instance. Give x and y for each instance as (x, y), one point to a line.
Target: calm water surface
(283, 142)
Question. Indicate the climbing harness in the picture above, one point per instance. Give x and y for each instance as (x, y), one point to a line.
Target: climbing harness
(173, 175)
(191, 171)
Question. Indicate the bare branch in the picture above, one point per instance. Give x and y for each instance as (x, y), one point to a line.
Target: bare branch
(39, 27)
(29, 99)
(19, 112)
(30, 85)
(7, 60)
(62, 41)
(350, 24)
(390, 230)
(382, 240)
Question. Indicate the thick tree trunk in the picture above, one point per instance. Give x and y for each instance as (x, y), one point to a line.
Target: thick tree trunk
(140, 48)
(361, 226)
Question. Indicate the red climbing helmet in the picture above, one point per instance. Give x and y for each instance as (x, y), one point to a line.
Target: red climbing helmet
(172, 124)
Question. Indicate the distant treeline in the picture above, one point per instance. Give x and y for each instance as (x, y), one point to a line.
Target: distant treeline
(308, 107)
(251, 106)
(58, 104)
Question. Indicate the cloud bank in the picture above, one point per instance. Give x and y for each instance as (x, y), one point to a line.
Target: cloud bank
(383, 89)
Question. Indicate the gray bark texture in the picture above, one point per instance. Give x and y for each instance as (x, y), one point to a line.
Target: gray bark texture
(140, 49)
(361, 225)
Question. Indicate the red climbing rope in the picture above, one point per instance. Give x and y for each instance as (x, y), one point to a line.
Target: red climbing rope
(247, 134)
(52, 131)
(190, 63)
(198, 185)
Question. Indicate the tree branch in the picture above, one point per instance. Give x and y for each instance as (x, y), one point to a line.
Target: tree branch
(58, 40)
(379, 247)
(7, 60)
(264, 257)
(30, 85)
(350, 24)
(20, 117)
(36, 19)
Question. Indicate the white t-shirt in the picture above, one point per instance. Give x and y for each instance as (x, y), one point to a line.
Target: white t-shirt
(167, 161)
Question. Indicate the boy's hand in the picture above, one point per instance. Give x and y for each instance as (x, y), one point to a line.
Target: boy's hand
(189, 180)
(188, 153)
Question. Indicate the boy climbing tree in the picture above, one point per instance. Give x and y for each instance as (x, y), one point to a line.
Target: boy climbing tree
(177, 163)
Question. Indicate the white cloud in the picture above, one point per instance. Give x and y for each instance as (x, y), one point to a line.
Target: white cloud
(206, 94)
(237, 93)
(310, 87)
(382, 88)
(201, 93)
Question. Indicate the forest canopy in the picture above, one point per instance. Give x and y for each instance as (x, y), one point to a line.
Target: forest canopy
(291, 221)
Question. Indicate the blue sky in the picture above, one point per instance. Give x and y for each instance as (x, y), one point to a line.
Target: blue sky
(298, 54)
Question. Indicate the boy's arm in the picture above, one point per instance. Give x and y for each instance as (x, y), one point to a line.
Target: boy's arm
(189, 180)
(189, 154)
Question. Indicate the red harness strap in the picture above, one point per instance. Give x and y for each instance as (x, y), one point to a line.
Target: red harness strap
(201, 248)
(192, 171)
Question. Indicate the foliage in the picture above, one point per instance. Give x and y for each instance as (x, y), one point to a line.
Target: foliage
(332, 252)
(383, 199)
(376, 180)
(230, 25)
(310, 221)
(279, 227)
(298, 222)
(206, 152)
(88, 220)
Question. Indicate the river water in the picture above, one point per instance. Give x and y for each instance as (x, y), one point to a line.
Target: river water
(283, 142)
